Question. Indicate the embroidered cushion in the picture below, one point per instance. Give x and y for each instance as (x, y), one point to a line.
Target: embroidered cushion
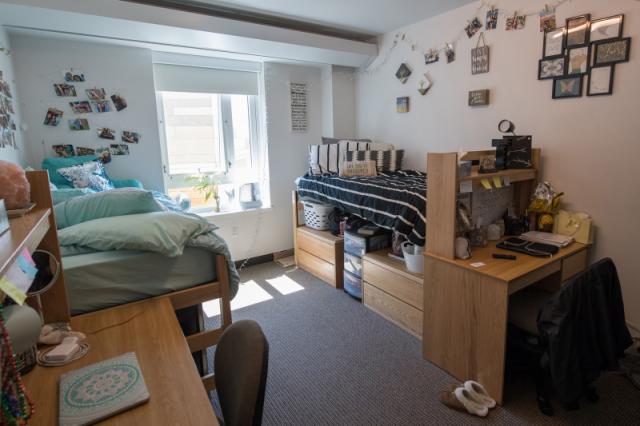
(386, 161)
(358, 168)
(88, 175)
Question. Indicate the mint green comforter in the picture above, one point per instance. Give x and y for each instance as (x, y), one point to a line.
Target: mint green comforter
(164, 232)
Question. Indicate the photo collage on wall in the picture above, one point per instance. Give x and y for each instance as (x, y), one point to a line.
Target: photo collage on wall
(97, 102)
(583, 47)
(7, 115)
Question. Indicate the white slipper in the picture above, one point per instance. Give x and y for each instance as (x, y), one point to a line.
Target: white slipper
(479, 394)
(471, 405)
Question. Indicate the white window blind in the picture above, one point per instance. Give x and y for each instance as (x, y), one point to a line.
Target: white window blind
(189, 79)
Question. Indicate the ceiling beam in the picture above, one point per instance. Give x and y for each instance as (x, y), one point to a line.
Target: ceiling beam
(237, 14)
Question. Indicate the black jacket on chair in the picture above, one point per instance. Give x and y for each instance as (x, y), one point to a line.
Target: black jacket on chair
(584, 328)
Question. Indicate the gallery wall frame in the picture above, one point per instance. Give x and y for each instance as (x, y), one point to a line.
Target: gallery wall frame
(600, 80)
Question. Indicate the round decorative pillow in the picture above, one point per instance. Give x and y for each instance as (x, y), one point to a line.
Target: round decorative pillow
(14, 186)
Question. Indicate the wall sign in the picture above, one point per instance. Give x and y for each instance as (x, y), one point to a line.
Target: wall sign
(299, 120)
(479, 97)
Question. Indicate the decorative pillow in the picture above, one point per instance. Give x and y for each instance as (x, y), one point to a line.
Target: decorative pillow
(88, 175)
(118, 202)
(358, 168)
(52, 164)
(386, 161)
(328, 141)
(329, 157)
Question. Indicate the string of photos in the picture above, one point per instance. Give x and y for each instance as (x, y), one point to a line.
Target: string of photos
(583, 47)
(514, 20)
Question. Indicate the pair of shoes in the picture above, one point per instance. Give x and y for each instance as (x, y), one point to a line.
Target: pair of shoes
(470, 397)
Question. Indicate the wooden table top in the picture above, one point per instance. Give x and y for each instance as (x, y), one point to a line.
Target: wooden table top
(151, 330)
(508, 270)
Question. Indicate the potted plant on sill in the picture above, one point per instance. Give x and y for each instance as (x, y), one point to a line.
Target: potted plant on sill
(208, 184)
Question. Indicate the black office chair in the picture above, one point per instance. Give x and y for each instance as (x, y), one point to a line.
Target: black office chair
(571, 335)
(240, 367)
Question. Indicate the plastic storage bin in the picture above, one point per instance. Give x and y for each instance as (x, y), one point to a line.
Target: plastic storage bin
(353, 285)
(358, 245)
(353, 264)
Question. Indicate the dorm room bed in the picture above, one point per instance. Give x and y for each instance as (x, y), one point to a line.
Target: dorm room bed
(392, 200)
(126, 245)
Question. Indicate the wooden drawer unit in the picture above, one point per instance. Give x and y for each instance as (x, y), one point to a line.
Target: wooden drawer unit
(573, 265)
(391, 276)
(402, 314)
(320, 254)
(393, 292)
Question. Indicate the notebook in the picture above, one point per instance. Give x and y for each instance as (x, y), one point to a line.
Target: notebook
(101, 390)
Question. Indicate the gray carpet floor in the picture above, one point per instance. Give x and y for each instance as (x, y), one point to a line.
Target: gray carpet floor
(334, 362)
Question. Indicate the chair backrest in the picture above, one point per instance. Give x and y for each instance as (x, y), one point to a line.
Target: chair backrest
(240, 366)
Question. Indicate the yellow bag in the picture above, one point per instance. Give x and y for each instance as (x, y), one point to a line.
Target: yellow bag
(576, 225)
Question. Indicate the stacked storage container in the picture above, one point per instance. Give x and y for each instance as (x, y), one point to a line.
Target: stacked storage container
(355, 247)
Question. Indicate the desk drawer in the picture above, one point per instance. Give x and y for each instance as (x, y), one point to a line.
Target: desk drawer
(320, 268)
(403, 288)
(573, 265)
(402, 314)
(316, 247)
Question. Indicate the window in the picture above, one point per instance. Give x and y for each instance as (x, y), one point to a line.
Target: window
(210, 117)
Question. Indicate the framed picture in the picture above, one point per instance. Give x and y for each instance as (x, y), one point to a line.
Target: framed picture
(577, 60)
(578, 30)
(403, 73)
(553, 45)
(600, 81)
(567, 87)
(611, 51)
(551, 68)
(606, 28)
(402, 104)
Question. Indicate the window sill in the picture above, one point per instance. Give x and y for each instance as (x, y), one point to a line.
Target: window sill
(210, 213)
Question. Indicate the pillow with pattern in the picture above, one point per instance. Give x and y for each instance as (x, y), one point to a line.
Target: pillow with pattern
(386, 161)
(88, 175)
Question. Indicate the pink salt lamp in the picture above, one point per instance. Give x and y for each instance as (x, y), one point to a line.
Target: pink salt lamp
(14, 186)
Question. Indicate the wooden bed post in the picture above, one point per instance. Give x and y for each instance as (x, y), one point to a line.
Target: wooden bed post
(55, 304)
(225, 300)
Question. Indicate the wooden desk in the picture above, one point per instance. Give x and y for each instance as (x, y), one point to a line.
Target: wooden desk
(151, 330)
(466, 308)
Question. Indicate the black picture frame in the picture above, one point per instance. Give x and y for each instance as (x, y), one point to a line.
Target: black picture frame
(555, 58)
(595, 22)
(544, 43)
(567, 60)
(587, 32)
(610, 91)
(556, 80)
(597, 45)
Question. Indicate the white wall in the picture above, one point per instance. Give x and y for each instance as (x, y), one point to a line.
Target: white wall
(590, 144)
(6, 66)
(267, 231)
(40, 62)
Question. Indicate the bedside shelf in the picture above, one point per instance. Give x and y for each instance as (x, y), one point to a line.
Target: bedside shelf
(514, 175)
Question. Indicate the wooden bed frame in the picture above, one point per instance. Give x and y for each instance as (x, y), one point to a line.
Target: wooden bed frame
(55, 305)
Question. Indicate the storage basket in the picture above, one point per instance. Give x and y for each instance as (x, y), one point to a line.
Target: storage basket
(316, 214)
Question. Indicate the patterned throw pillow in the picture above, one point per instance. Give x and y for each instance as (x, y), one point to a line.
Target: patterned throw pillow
(330, 157)
(88, 175)
(386, 161)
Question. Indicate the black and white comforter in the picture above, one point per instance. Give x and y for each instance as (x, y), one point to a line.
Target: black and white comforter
(392, 200)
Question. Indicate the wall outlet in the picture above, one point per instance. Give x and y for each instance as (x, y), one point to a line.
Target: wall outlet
(235, 230)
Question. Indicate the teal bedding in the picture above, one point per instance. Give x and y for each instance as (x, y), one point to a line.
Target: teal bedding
(98, 269)
(104, 279)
